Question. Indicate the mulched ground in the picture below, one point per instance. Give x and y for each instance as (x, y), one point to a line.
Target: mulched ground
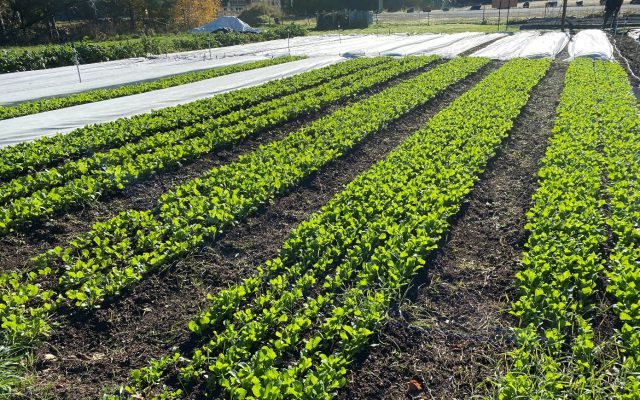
(449, 335)
(96, 351)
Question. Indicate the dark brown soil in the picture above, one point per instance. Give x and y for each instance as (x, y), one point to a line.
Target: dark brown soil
(18, 248)
(97, 351)
(630, 50)
(450, 332)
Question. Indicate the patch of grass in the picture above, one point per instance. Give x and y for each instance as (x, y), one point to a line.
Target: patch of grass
(13, 367)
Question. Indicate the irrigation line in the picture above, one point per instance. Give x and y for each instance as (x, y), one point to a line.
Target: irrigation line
(613, 42)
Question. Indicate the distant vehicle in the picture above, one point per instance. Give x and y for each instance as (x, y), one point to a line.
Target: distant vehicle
(551, 4)
(410, 9)
(475, 7)
(426, 9)
(525, 4)
(445, 9)
(579, 3)
(635, 2)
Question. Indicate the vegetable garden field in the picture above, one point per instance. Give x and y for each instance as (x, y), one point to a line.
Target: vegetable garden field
(382, 227)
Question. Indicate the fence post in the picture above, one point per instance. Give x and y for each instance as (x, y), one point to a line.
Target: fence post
(77, 63)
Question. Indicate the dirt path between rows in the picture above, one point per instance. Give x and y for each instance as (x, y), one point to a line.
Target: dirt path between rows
(96, 351)
(452, 329)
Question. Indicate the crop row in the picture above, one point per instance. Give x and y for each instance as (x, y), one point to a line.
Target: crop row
(291, 330)
(619, 124)
(242, 122)
(48, 192)
(92, 96)
(49, 151)
(589, 181)
(117, 253)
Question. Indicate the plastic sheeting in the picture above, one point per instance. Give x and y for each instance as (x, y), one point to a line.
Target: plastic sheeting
(548, 45)
(64, 120)
(591, 43)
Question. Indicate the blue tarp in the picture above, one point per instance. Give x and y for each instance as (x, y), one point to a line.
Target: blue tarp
(226, 23)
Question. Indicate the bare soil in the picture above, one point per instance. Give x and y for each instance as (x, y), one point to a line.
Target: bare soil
(95, 351)
(630, 51)
(447, 337)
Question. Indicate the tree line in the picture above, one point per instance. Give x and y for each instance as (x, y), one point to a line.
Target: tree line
(56, 18)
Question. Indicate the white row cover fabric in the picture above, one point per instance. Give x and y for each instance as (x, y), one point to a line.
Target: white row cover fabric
(23, 86)
(32, 85)
(452, 48)
(548, 45)
(634, 34)
(508, 47)
(591, 43)
(387, 45)
(31, 127)
(324, 50)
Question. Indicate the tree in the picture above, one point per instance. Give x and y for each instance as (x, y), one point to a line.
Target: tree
(192, 13)
(5, 12)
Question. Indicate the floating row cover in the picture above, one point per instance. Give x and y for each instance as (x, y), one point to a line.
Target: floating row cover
(33, 126)
(547, 45)
(508, 47)
(591, 43)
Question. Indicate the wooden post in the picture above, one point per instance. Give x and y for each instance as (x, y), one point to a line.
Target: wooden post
(564, 14)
